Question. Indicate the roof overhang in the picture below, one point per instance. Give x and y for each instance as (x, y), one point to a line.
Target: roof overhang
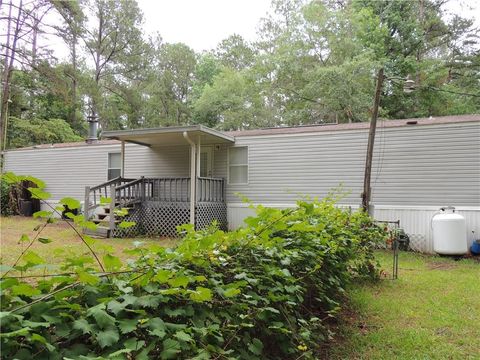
(168, 136)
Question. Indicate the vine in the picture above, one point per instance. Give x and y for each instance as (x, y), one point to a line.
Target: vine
(265, 291)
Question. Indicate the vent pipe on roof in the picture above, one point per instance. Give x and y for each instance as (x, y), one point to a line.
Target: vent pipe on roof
(92, 128)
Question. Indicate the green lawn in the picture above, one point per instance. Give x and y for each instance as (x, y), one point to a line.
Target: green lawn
(65, 242)
(431, 312)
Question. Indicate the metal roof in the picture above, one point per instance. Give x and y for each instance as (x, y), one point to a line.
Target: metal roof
(170, 135)
(358, 126)
(174, 134)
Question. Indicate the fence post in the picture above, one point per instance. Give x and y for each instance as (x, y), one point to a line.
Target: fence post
(142, 189)
(86, 203)
(112, 208)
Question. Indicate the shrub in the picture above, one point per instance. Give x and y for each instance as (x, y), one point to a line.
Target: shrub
(5, 208)
(265, 291)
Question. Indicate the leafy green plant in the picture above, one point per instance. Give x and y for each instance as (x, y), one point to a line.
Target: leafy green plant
(265, 291)
(5, 208)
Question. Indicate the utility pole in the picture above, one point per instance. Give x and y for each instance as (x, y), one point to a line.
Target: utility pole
(367, 191)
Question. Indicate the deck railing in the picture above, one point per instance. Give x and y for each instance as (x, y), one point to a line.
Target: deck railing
(210, 189)
(127, 192)
(94, 194)
(167, 189)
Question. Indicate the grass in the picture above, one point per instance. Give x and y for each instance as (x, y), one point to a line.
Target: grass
(65, 242)
(431, 312)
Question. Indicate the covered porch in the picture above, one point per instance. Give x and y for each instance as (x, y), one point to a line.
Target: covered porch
(159, 204)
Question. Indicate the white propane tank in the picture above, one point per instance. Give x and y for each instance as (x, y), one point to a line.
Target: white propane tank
(449, 232)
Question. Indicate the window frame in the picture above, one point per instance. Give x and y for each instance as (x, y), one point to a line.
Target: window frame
(108, 164)
(247, 164)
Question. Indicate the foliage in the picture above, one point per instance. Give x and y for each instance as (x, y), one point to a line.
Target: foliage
(231, 102)
(23, 132)
(5, 208)
(265, 291)
(312, 62)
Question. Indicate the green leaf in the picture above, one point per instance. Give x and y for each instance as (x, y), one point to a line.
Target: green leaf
(20, 332)
(183, 336)
(231, 292)
(126, 224)
(180, 280)
(83, 325)
(39, 194)
(157, 327)
(107, 337)
(115, 354)
(40, 184)
(111, 262)
(256, 346)
(70, 203)
(35, 324)
(101, 317)
(42, 214)
(162, 276)
(10, 178)
(170, 350)
(39, 338)
(44, 240)
(24, 238)
(127, 325)
(24, 289)
(33, 258)
(201, 294)
(115, 307)
(105, 200)
(133, 343)
(87, 278)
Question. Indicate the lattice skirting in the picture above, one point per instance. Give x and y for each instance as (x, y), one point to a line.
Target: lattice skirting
(206, 213)
(162, 218)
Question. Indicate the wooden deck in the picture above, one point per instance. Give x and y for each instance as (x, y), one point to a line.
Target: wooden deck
(156, 205)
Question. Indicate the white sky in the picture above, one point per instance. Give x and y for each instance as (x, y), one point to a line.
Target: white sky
(202, 24)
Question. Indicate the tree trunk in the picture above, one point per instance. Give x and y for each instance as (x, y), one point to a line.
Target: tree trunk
(74, 79)
(367, 191)
(7, 73)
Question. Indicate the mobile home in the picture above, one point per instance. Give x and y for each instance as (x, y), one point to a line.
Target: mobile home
(174, 175)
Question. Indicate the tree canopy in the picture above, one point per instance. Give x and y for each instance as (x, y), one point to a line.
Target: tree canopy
(313, 62)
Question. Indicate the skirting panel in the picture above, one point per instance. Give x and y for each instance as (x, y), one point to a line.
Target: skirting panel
(162, 218)
(208, 212)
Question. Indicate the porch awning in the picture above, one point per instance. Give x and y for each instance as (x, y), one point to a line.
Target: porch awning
(170, 135)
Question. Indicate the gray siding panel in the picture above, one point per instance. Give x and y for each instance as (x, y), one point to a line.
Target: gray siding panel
(157, 161)
(67, 171)
(424, 165)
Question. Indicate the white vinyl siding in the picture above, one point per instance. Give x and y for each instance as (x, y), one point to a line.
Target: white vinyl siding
(67, 171)
(238, 165)
(432, 165)
(114, 165)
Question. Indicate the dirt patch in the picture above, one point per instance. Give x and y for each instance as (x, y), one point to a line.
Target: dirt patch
(441, 266)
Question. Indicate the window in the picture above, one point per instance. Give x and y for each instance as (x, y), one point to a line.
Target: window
(114, 165)
(238, 165)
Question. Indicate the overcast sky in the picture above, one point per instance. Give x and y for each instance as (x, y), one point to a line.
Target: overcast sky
(202, 24)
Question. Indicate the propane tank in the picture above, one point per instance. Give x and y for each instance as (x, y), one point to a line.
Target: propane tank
(449, 232)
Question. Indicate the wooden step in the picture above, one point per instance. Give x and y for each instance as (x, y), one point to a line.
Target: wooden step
(105, 221)
(106, 209)
(99, 232)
